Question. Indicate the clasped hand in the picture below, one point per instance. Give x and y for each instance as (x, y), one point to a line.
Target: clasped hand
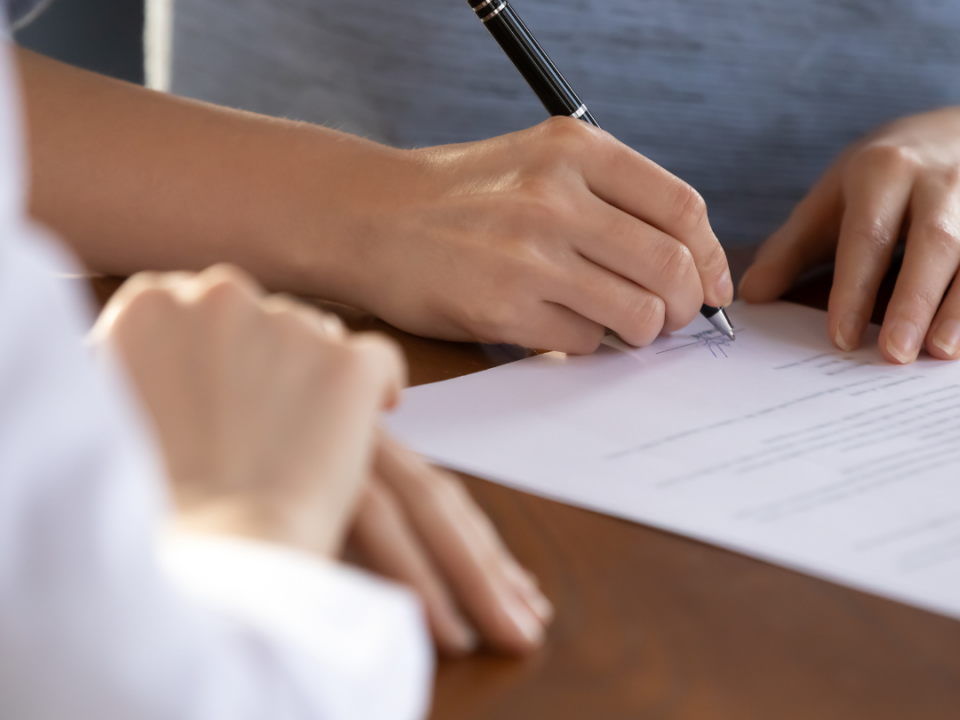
(267, 411)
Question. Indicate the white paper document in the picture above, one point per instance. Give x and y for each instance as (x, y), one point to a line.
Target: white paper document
(777, 445)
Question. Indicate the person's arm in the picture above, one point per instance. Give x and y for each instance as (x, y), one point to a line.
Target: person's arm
(243, 390)
(241, 625)
(901, 182)
(541, 238)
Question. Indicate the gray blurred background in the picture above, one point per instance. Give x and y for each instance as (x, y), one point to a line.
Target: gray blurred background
(101, 35)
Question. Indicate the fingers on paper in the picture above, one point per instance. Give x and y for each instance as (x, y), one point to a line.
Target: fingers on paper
(877, 188)
(930, 264)
(943, 338)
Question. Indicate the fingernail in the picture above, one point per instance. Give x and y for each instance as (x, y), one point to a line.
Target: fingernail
(527, 585)
(903, 341)
(464, 638)
(541, 606)
(849, 330)
(523, 617)
(947, 337)
(725, 289)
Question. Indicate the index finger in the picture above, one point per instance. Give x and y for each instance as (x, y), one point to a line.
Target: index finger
(636, 185)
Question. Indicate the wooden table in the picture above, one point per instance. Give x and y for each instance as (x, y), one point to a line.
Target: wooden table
(653, 625)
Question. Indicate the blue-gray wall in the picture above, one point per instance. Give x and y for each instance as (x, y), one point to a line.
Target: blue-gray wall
(101, 35)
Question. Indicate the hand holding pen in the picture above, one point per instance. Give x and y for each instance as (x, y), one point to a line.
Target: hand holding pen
(553, 90)
(544, 237)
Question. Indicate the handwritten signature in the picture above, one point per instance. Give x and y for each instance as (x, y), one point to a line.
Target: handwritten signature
(713, 340)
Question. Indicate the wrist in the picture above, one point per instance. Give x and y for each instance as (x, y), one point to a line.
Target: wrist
(339, 200)
(290, 523)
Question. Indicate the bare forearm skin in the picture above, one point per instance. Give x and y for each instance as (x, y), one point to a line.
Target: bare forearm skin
(543, 237)
(137, 179)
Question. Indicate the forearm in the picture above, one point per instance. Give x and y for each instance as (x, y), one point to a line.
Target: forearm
(543, 237)
(136, 179)
(91, 627)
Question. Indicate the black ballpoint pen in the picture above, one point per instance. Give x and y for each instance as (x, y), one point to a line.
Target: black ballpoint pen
(554, 92)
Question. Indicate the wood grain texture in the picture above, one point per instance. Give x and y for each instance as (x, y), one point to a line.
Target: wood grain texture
(654, 625)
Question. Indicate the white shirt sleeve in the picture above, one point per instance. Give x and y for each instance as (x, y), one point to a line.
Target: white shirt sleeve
(92, 625)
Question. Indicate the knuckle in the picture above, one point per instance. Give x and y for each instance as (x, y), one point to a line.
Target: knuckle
(150, 296)
(226, 272)
(138, 311)
(133, 287)
(674, 263)
(145, 304)
(332, 324)
(279, 304)
(950, 176)
(884, 157)
(142, 281)
(873, 236)
(689, 206)
(227, 284)
(224, 292)
(567, 134)
(942, 236)
(922, 297)
(371, 353)
(716, 260)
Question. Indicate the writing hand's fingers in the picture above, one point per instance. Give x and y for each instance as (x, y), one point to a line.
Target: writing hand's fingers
(635, 314)
(646, 256)
(804, 241)
(639, 187)
(554, 327)
(388, 545)
(876, 188)
(930, 262)
(943, 338)
(505, 606)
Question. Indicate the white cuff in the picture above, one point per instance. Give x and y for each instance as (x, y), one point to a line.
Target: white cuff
(364, 638)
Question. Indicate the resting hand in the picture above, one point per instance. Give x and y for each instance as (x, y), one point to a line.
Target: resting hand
(418, 525)
(902, 180)
(266, 410)
(267, 421)
(540, 238)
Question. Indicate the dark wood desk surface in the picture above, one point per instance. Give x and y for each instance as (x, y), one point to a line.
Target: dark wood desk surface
(653, 625)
